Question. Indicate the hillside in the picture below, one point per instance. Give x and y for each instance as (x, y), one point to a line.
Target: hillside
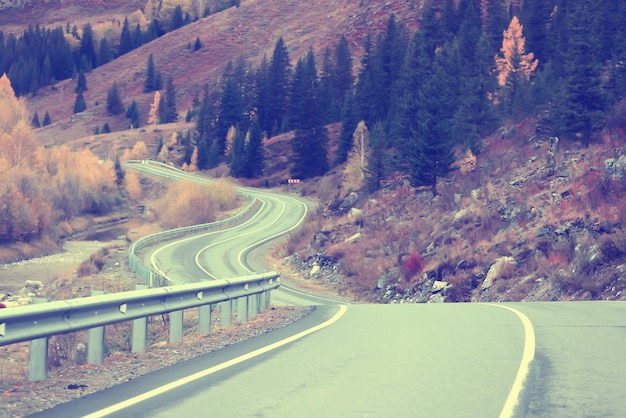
(250, 30)
(527, 221)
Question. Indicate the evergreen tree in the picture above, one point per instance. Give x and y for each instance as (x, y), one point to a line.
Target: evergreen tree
(366, 99)
(237, 154)
(197, 44)
(274, 112)
(581, 102)
(126, 39)
(106, 129)
(35, 121)
(120, 174)
(87, 50)
(105, 52)
(203, 155)
(81, 83)
(375, 168)
(231, 110)
(255, 151)
(79, 103)
(47, 120)
(213, 159)
(132, 113)
(349, 123)
(114, 102)
(432, 138)
(170, 113)
(149, 84)
(341, 75)
(496, 21)
(535, 18)
(310, 142)
(177, 18)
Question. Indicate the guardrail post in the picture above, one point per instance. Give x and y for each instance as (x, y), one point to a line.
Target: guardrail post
(242, 309)
(226, 313)
(38, 354)
(176, 327)
(140, 330)
(253, 305)
(95, 339)
(204, 319)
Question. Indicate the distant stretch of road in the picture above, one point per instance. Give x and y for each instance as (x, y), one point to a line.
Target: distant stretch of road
(431, 360)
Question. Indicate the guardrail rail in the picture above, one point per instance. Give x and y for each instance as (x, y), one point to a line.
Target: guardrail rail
(248, 295)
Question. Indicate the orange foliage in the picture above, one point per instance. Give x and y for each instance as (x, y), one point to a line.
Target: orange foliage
(133, 187)
(190, 203)
(39, 188)
(514, 59)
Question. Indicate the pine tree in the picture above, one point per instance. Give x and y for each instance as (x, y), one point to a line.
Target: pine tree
(237, 154)
(106, 129)
(349, 123)
(375, 168)
(255, 151)
(79, 104)
(47, 120)
(197, 44)
(581, 102)
(105, 52)
(203, 155)
(126, 40)
(231, 109)
(132, 113)
(310, 142)
(495, 21)
(120, 174)
(433, 138)
(114, 102)
(274, 113)
(81, 83)
(170, 113)
(341, 77)
(149, 83)
(177, 18)
(35, 121)
(87, 50)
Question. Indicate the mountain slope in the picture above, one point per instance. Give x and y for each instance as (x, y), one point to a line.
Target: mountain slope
(250, 30)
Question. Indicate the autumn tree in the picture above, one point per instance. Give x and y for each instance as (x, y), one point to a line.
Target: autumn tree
(354, 172)
(514, 67)
(153, 115)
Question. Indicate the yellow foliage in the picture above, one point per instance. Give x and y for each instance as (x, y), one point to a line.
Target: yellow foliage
(467, 163)
(133, 186)
(514, 59)
(189, 203)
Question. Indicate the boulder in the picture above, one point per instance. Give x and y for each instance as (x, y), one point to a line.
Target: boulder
(502, 267)
(354, 237)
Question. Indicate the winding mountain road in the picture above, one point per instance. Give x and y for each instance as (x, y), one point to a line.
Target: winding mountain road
(562, 359)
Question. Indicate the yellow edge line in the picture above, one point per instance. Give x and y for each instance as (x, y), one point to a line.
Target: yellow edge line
(512, 401)
(188, 379)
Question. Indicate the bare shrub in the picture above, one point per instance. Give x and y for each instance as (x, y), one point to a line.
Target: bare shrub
(188, 203)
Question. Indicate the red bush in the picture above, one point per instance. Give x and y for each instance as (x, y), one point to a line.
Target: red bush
(412, 264)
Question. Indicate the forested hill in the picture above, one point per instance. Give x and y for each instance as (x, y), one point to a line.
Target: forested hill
(414, 90)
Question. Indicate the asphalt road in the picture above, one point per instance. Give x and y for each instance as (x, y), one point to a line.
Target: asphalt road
(450, 360)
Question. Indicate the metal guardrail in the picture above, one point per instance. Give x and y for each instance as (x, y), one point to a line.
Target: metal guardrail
(152, 278)
(37, 322)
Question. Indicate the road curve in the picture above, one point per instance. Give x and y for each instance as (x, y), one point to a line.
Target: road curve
(452, 360)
